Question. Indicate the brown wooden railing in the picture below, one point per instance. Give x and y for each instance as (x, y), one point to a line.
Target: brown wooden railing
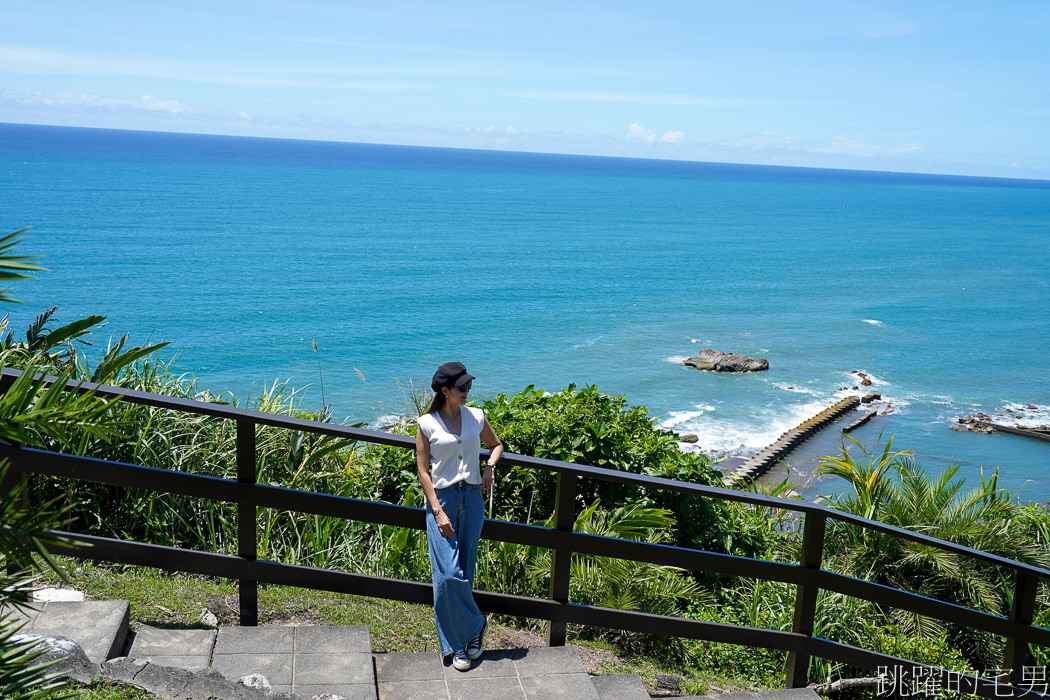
(248, 570)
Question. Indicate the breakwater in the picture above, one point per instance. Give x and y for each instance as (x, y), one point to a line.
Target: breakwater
(859, 422)
(759, 464)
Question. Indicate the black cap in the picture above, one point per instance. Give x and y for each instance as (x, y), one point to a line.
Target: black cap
(450, 374)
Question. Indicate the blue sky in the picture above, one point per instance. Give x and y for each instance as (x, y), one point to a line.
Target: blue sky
(942, 87)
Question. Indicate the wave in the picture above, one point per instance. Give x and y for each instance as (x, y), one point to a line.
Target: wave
(798, 389)
(1021, 414)
(587, 343)
(677, 359)
(740, 437)
(679, 417)
(872, 321)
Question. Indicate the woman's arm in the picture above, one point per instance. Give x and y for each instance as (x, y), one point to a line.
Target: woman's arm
(488, 436)
(423, 469)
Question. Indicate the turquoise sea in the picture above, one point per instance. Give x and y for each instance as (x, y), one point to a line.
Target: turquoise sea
(551, 269)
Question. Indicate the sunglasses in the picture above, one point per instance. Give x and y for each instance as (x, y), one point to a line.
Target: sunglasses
(466, 387)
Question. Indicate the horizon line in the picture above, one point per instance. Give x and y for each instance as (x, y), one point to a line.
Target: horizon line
(1040, 181)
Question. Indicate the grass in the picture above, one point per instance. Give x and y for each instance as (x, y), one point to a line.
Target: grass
(176, 601)
(99, 690)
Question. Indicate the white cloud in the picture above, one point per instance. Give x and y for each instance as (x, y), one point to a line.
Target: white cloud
(86, 101)
(838, 146)
(344, 74)
(625, 97)
(244, 115)
(322, 41)
(637, 131)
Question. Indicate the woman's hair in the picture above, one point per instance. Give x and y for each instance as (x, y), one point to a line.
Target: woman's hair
(438, 403)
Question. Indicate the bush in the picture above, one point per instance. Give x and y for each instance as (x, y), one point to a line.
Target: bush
(585, 426)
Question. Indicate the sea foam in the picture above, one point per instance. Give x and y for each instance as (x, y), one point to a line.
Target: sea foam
(741, 436)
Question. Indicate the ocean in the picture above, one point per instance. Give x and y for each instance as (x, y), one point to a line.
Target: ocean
(546, 270)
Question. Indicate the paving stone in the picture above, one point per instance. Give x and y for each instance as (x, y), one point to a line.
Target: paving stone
(25, 614)
(627, 686)
(99, 627)
(536, 661)
(188, 663)
(155, 641)
(473, 688)
(418, 666)
(276, 667)
(48, 594)
(334, 639)
(559, 686)
(361, 691)
(413, 690)
(336, 669)
(254, 640)
(491, 664)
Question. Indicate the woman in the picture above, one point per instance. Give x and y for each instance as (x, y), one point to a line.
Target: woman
(448, 447)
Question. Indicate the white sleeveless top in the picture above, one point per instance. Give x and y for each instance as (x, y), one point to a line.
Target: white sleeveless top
(454, 458)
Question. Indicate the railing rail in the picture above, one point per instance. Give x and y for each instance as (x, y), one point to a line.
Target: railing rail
(808, 576)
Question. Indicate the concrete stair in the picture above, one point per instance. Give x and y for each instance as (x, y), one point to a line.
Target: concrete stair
(99, 627)
(313, 660)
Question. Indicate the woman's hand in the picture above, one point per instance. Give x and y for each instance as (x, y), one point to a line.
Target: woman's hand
(487, 479)
(444, 524)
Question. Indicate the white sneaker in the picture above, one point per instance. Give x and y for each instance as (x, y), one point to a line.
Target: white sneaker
(477, 645)
(460, 661)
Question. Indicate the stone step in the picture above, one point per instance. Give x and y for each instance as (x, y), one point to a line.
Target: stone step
(98, 626)
(307, 660)
(518, 674)
(625, 686)
(303, 659)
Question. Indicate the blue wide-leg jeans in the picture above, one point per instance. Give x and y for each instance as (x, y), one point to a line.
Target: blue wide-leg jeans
(452, 563)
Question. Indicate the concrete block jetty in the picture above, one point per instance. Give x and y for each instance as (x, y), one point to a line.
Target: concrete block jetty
(764, 460)
(859, 422)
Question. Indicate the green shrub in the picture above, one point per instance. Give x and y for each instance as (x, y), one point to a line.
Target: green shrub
(585, 426)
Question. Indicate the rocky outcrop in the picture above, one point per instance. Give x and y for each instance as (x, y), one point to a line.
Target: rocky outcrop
(983, 423)
(65, 656)
(717, 361)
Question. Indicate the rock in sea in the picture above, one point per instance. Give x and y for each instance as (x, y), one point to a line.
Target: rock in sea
(717, 361)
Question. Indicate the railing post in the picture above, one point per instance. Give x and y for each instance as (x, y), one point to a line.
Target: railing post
(797, 669)
(1015, 657)
(15, 482)
(247, 547)
(561, 559)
